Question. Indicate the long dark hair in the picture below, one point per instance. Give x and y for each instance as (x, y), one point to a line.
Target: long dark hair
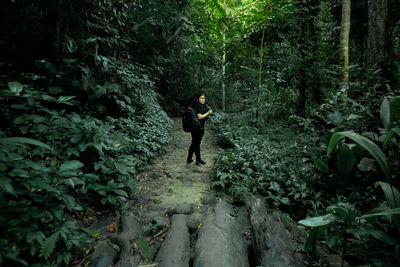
(197, 97)
(199, 94)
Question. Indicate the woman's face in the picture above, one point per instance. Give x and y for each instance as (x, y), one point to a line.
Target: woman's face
(201, 99)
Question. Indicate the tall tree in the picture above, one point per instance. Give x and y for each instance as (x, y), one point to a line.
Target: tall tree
(55, 52)
(377, 45)
(261, 54)
(344, 49)
(223, 12)
(307, 16)
(223, 62)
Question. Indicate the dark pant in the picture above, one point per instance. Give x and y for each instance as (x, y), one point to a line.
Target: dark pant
(195, 146)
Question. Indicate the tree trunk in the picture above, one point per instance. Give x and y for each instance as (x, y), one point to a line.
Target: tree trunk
(344, 49)
(223, 63)
(274, 240)
(57, 33)
(261, 58)
(307, 72)
(377, 46)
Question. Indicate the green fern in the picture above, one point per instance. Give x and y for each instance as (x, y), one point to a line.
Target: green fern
(49, 245)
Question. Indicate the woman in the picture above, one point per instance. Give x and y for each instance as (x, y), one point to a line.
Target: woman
(197, 135)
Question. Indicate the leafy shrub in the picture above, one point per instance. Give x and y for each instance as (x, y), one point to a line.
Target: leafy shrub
(36, 193)
(92, 161)
(351, 233)
(271, 165)
(343, 227)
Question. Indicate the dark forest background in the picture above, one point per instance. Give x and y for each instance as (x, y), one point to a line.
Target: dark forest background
(307, 119)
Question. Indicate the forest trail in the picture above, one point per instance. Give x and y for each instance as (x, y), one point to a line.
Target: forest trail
(176, 221)
(170, 181)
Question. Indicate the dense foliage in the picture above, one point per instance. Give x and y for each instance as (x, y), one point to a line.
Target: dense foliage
(76, 126)
(355, 184)
(281, 170)
(86, 87)
(275, 153)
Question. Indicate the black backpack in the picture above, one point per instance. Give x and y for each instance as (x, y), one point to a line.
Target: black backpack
(190, 121)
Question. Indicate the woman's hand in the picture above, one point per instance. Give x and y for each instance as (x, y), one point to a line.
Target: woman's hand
(209, 112)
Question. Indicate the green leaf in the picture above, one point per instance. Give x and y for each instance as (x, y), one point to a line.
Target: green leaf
(51, 67)
(387, 212)
(37, 236)
(353, 117)
(65, 99)
(72, 46)
(334, 239)
(68, 174)
(15, 259)
(19, 140)
(318, 221)
(311, 243)
(71, 203)
(345, 161)
(121, 168)
(395, 107)
(390, 135)
(115, 247)
(391, 194)
(145, 248)
(49, 245)
(70, 165)
(55, 90)
(70, 61)
(366, 164)
(6, 186)
(73, 181)
(358, 233)
(15, 87)
(390, 111)
(219, 7)
(379, 234)
(39, 183)
(91, 232)
(385, 113)
(322, 166)
(95, 187)
(66, 257)
(18, 173)
(335, 138)
(370, 146)
(336, 117)
(284, 200)
(112, 199)
(59, 214)
(121, 192)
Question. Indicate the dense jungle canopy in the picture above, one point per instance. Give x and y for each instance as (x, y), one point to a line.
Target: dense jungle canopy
(306, 100)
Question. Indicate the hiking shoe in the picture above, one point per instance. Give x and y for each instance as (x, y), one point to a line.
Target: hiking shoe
(189, 161)
(198, 162)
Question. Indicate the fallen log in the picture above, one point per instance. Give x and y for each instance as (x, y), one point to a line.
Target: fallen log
(220, 240)
(175, 251)
(131, 232)
(273, 244)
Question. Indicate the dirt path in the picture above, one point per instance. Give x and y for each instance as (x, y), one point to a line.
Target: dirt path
(170, 181)
(175, 221)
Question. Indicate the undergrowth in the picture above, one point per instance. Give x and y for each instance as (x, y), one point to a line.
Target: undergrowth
(273, 162)
(61, 155)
